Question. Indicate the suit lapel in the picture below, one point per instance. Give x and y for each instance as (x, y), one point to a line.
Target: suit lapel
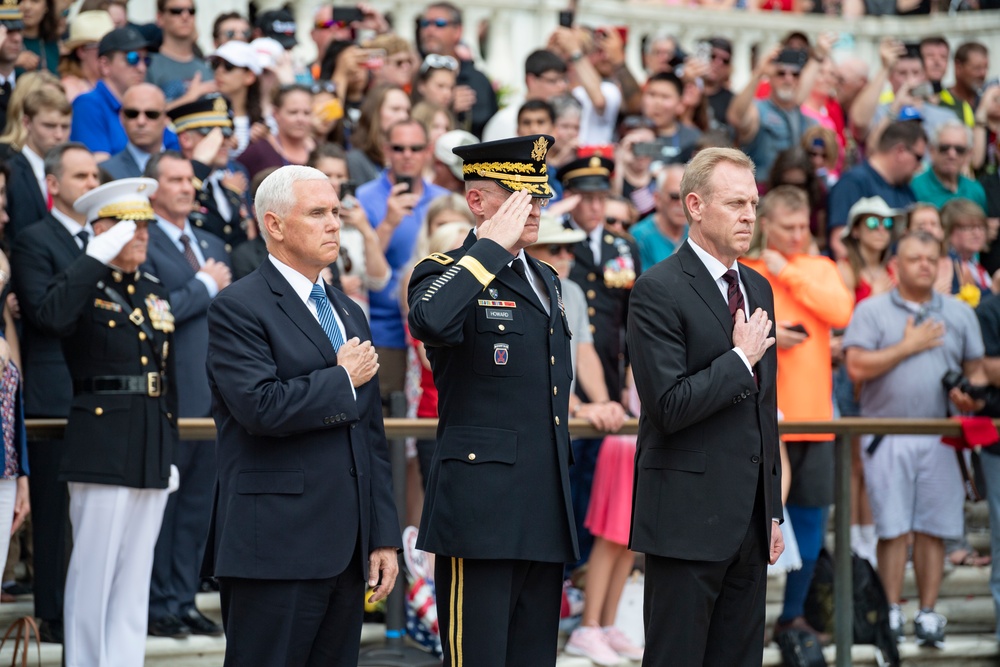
(509, 278)
(339, 301)
(706, 288)
(63, 237)
(159, 239)
(297, 312)
(21, 165)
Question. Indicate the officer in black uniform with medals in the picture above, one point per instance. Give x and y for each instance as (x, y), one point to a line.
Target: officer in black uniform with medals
(222, 207)
(116, 327)
(497, 509)
(605, 266)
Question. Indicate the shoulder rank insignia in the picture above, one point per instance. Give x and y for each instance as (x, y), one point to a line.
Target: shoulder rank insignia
(440, 258)
(548, 265)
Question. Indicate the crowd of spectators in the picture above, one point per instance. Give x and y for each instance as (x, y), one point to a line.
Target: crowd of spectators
(877, 231)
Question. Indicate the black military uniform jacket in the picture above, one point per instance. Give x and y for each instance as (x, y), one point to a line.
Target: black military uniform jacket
(499, 482)
(206, 215)
(607, 282)
(117, 337)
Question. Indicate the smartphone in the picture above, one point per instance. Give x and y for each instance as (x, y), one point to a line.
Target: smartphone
(703, 52)
(408, 180)
(647, 149)
(566, 18)
(923, 92)
(347, 199)
(799, 328)
(347, 15)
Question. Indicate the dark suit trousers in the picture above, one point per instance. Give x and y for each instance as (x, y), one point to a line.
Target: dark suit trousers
(498, 613)
(51, 536)
(708, 614)
(181, 544)
(294, 623)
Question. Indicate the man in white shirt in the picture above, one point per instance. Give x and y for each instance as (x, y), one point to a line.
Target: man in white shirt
(600, 99)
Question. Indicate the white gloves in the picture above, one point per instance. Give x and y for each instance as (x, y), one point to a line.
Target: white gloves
(105, 247)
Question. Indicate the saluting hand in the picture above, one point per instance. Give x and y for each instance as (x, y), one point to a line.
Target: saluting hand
(753, 335)
(359, 359)
(105, 246)
(507, 224)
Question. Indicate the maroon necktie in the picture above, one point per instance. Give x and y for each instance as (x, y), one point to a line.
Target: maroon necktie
(189, 253)
(733, 294)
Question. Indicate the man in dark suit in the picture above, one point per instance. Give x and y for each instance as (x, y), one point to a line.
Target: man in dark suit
(497, 511)
(205, 133)
(40, 252)
(144, 117)
(193, 266)
(47, 116)
(705, 374)
(304, 510)
(116, 327)
(12, 18)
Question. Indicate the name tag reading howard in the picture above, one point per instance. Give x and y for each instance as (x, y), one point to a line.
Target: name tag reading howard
(499, 314)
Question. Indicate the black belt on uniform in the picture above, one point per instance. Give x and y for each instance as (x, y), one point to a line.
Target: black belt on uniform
(150, 384)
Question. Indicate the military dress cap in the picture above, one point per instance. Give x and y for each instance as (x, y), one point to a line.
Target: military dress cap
(122, 39)
(11, 15)
(211, 111)
(124, 199)
(513, 164)
(587, 174)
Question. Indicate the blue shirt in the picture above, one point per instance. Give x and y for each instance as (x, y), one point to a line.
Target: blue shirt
(927, 187)
(863, 181)
(97, 126)
(653, 246)
(779, 130)
(386, 317)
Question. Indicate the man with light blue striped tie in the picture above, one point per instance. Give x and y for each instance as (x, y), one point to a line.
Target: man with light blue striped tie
(304, 513)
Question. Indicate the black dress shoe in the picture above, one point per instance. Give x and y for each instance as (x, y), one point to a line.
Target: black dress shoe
(50, 631)
(199, 624)
(168, 626)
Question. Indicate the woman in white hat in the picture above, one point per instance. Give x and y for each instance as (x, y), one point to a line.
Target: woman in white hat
(78, 68)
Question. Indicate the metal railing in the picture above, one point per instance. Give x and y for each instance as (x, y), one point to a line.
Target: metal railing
(842, 429)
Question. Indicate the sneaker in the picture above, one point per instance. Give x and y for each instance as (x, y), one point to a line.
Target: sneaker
(621, 644)
(928, 626)
(591, 643)
(897, 619)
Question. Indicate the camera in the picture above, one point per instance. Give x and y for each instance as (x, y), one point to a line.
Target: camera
(953, 379)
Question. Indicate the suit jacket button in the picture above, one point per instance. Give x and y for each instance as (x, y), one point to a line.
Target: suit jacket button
(472, 456)
(353, 426)
(557, 420)
(343, 416)
(354, 473)
(735, 400)
(111, 324)
(754, 459)
(551, 331)
(552, 360)
(326, 420)
(501, 327)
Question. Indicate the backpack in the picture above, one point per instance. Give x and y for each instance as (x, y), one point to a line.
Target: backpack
(871, 607)
(800, 648)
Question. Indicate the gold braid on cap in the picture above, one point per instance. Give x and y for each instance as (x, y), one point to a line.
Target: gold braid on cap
(507, 168)
(530, 187)
(127, 210)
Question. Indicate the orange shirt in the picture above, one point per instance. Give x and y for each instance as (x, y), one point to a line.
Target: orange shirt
(810, 292)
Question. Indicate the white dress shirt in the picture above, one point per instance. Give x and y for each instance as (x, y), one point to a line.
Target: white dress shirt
(38, 169)
(535, 281)
(72, 226)
(174, 233)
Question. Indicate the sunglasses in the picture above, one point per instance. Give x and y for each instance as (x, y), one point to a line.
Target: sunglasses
(397, 148)
(674, 196)
(919, 156)
(612, 220)
(437, 23)
(323, 87)
(204, 131)
(178, 11)
(233, 34)
(435, 61)
(874, 222)
(781, 73)
(557, 248)
(959, 150)
(133, 58)
(325, 25)
(151, 114)
(224, 64)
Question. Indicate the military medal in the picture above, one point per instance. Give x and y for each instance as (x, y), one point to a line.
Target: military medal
(160, 317)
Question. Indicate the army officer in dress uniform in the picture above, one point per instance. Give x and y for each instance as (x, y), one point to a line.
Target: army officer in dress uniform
(205, 134)
(116, 327)
(497, 509)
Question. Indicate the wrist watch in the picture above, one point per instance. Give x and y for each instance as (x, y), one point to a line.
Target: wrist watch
(575, 56)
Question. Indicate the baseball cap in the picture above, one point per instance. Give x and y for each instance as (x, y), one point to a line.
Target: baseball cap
(122, 39)
(278, 24)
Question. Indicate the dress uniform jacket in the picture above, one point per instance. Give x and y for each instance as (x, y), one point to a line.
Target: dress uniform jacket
(607, 283)
(499, 483)
(207, 217)
(114, 326)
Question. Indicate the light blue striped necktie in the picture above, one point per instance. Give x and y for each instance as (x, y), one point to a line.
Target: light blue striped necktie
(326, 318)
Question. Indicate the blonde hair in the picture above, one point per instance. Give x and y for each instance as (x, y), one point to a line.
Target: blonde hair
(792, 197)
(956, 209)
(450, 202)
(14, 132)
(698, 174)
(448, 236)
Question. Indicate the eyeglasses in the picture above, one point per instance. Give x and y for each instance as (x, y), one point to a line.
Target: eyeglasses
(177, 11)
(969, 228)
(612, 220)
(874, 222)
(947, 148)
(781, 73)
(557, 248)
(233, 34)
(397, 148)
(323, 87)
(133, 58)
(435, 61)
(151, 114)
(204, 131)
(437, 23)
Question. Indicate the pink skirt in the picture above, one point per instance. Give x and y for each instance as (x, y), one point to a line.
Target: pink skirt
(610, 513)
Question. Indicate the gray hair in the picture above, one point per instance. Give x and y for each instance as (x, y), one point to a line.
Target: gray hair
(277, 195)
(656, 38)
(661, 175)
(951, 125)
